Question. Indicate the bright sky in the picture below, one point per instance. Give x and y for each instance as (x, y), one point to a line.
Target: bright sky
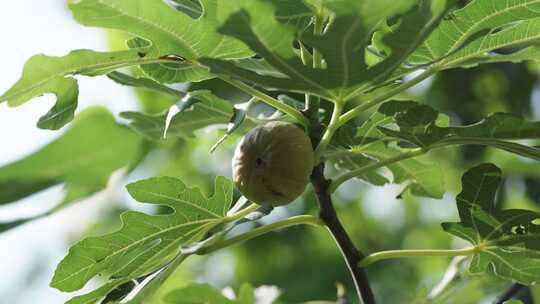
(29, 254)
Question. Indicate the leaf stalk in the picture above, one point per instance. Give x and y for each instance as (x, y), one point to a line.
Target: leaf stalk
(373, 166)
(240, 214)
(382, 98)
(268, 100)
(329, 132)
(292, 221)
(394, 254)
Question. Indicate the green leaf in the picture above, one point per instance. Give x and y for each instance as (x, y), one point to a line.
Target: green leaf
(259, 66)
(403, 39)
(176, 70)
(149, 291)
(196, 294)
(355, 161)
(204, 293)
(171, 32)
(418, 125)
(254, 22)
(77, 158)
(144, 83)
(293, 13)
(422, 178)
(148, 285)
(237, 120)
(507, 241)
(99, 293)
(425, 179)
(146, 242)
(531, 53)
(45, 74)
(373, 11)
(522, 34)
(364, 146)
(369, 130)
(209, 111)
(342, 46)
(472, 30)
(192, 8)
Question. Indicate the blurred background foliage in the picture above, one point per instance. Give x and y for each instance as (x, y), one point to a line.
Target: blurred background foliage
(303, 261)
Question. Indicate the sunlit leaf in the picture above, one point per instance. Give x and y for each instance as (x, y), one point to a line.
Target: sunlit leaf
(480, 27)
(145, 83)
(197, 293)
(507, 241)
(192, 8)
(82, 158)
(519, 35)
(45, 74)
(171, 33)
(418, 125)
(210, 110)
(204, 293)
(403, 39)
(364, 146)
(531, 53)
(100, 293)
(373, 11)
(146, 242)
(424, 178)
(342, 46)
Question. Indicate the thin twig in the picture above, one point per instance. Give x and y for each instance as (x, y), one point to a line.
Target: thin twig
(349, 251)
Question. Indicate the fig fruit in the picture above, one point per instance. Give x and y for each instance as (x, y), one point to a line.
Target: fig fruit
(272, 163)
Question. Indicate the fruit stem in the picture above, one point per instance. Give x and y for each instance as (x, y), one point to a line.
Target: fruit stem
(268, 100)
(394, 254)
(292, 221)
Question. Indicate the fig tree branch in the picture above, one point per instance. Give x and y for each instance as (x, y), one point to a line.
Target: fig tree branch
(349, 251)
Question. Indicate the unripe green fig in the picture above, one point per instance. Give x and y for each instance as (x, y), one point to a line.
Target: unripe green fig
(272, 163)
